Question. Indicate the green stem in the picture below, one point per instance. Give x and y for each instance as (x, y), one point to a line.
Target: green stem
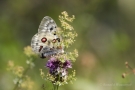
(53, 87)
(57, 87)
(43, 87)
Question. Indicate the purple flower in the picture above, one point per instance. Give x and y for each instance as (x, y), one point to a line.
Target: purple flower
(67, 64)
(57, 67)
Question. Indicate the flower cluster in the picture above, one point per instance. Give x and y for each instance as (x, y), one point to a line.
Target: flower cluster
(63, 18)
(67, 31)
(27, 84)
(17, 70)
(28, 51)
(58, 69)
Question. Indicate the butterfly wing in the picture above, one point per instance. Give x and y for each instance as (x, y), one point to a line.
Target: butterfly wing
(47, 25)
(35, 43)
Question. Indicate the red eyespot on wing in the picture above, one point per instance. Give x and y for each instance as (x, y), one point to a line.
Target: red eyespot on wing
(54, 40)
(44, 39)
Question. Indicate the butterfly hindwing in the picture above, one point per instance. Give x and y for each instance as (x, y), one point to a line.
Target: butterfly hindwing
(35, 43)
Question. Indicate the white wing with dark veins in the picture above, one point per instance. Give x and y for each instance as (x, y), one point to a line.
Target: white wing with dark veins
(47, 25)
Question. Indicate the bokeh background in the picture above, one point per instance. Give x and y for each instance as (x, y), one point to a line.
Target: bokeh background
(106, 39)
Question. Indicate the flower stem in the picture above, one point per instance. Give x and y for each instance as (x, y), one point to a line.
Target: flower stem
(55, 87)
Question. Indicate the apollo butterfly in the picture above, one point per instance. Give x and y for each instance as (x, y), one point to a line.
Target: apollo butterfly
(46, 42)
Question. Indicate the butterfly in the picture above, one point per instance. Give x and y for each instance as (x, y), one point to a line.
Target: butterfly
(46, 42)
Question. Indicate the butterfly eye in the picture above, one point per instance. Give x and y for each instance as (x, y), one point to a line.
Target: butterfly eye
(44, 39)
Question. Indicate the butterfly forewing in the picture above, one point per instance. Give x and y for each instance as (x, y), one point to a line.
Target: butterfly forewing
(47, 25)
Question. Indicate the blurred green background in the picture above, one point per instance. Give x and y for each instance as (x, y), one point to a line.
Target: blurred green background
(106, 39)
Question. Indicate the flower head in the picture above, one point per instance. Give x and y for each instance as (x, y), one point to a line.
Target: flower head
(58, 69)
